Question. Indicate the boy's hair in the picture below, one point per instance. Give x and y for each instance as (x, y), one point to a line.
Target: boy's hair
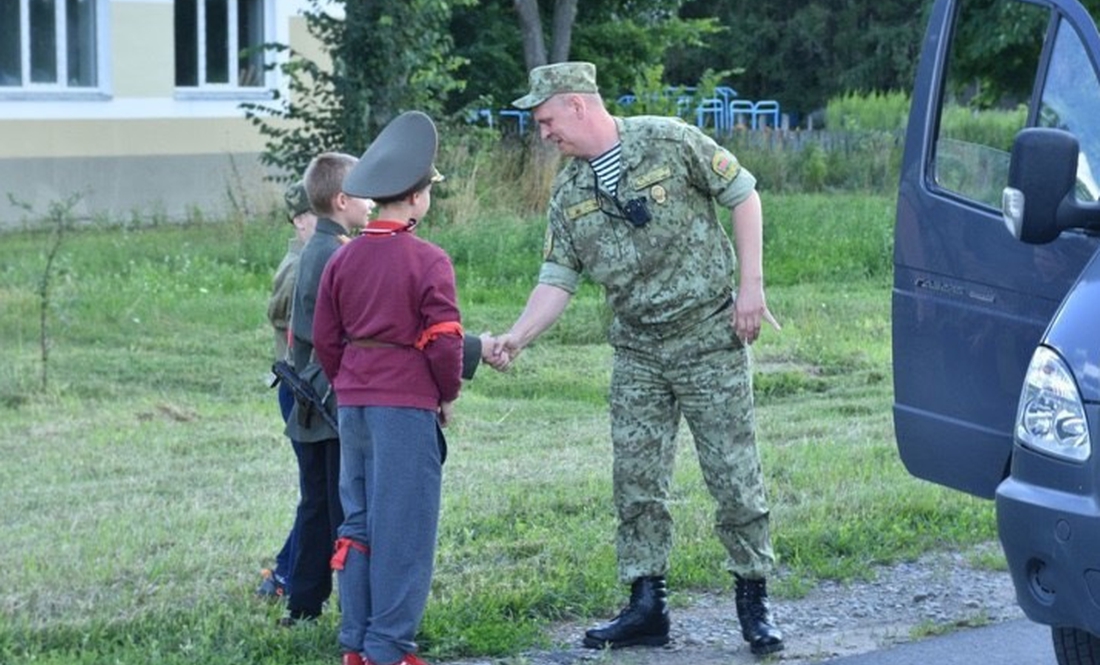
(324, 179)
(423, 184)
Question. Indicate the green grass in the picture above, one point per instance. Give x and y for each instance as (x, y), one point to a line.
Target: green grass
(145, 487)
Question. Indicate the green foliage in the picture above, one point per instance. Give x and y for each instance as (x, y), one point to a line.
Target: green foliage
(815, 168)
(310, 119)
(803, 52)
(384, 58)
(791, 162)
(487, 39)
(452, 58)
(650, 95)
(402, 56)
(641, 41)
(59, 219)
(874, 111)
(621, 37)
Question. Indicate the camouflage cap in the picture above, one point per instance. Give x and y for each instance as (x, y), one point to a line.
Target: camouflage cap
(296, 200)
(549, 80)
(401, 157)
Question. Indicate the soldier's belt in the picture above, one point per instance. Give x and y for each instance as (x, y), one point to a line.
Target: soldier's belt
(368, 343)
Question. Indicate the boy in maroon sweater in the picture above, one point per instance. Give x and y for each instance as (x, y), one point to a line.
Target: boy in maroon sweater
(387, 331)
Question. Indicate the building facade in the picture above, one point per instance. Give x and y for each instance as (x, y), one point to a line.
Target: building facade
(131, 108)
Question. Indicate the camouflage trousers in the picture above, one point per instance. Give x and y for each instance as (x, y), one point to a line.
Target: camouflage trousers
(706, 377)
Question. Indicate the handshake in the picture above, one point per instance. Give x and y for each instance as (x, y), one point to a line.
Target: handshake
(499, 351)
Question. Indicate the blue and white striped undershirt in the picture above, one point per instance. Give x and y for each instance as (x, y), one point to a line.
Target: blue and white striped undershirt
(608, 167)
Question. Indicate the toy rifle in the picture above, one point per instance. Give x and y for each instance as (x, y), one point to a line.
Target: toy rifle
(303, 391)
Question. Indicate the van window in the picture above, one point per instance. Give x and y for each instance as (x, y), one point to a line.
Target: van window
(981, 107)
(1071, 95)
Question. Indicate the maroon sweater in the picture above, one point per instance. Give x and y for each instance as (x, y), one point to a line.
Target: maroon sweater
(388, 289)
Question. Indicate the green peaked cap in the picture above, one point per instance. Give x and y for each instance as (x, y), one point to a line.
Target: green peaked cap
(400, 157)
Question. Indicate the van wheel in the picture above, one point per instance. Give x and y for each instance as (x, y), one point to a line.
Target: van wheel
(1073, 646)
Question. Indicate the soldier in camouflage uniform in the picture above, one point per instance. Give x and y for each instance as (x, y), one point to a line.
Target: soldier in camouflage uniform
(634, 211)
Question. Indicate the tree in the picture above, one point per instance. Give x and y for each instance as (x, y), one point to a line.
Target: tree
(530, 24)
(627, 38)
(488, 42)
(622, 37)
(803, 52)
(60, 215)
(384, 57)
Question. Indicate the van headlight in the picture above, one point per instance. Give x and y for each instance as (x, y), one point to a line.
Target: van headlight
(1051, 417)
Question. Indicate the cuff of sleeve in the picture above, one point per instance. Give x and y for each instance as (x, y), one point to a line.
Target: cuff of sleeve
(555, 274)
(471, 355)
(738, 190)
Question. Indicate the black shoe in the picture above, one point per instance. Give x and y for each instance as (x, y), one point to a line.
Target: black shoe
(757, 626)
(643, 622)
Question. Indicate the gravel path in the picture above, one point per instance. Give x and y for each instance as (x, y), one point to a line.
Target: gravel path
(939, 593)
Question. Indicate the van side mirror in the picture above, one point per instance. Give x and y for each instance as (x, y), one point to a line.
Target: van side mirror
(1040, 200)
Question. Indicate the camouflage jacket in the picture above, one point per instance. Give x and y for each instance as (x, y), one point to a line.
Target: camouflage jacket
(282, 290)
(677, 269)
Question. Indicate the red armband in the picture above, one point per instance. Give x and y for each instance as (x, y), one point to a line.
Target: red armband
(434, 331)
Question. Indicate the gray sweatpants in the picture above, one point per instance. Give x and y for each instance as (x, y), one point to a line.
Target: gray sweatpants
(390, 479)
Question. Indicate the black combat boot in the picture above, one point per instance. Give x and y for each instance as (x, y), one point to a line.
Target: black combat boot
(757, 626)
(643, 622)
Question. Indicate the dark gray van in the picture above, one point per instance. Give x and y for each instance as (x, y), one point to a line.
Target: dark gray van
(996, 301)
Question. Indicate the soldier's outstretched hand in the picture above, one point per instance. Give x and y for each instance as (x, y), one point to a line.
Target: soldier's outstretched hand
(491, 354)
(505, 350)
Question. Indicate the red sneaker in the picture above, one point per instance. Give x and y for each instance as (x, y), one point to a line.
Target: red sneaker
(410, 659)
(352, 658)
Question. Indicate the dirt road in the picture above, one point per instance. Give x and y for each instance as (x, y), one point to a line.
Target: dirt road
(938, 594)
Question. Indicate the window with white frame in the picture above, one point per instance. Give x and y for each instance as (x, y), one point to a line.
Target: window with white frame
(219, 44)
(48, 44)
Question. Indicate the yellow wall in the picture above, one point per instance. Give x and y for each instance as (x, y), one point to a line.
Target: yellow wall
(113, 138)
(303, 42)
(142, 57)
(168, 187)
(140, 146)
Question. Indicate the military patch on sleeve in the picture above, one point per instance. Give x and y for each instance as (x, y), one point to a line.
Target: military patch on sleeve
(581, 209)
(547, 244)
(654, 176)
(725, 165)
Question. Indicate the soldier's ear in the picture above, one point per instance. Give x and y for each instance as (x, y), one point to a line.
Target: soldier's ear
(574, 105)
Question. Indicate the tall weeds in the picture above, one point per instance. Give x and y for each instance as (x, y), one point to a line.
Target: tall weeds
(493, 173)
(489, 174)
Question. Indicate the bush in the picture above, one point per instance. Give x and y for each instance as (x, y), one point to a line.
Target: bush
(877, 111)
(820, 161)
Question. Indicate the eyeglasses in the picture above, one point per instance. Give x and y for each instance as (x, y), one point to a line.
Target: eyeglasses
(634, 211)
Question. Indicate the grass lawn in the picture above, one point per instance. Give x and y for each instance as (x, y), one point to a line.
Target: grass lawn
(148, 481)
